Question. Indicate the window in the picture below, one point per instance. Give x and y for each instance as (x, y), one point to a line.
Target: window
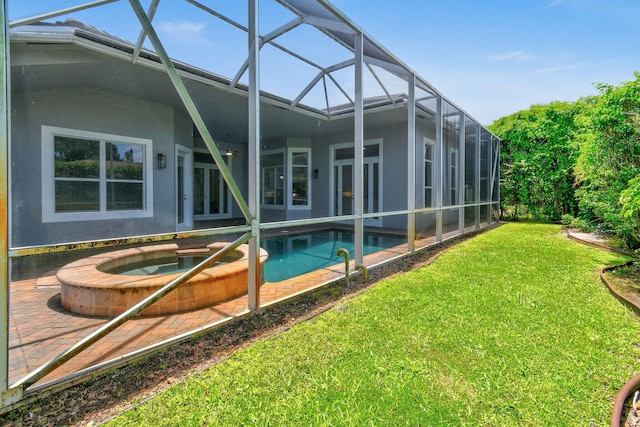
(453, 179)
(453, 169)
(484, 166)
(90, 176)
(297, 180)
(299, 184)
(428, 173)
(273, 179)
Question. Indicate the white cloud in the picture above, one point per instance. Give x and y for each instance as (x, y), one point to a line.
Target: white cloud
(560, 68)
(186, 32)
(517, 55)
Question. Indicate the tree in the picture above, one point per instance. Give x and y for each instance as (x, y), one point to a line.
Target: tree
(537, 160)
(608, 167)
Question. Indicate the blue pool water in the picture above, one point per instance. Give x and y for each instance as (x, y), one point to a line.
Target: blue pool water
(169, 265)
(293, 255)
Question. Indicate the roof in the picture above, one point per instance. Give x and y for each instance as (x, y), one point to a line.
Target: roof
(319, 14)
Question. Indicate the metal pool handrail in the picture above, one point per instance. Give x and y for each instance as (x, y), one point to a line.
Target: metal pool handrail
(345, 253)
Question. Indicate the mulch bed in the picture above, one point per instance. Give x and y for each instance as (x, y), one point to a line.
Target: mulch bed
(626, 281)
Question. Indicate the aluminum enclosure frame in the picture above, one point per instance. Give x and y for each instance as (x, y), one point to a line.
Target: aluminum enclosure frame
(323, 16)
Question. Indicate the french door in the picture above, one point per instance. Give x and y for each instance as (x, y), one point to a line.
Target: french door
(211, 194)
(184, 188)
(344, 182)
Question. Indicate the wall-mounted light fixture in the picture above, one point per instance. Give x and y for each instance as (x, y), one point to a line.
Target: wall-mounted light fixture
(315, 174)
(162, 161)
(229, 152)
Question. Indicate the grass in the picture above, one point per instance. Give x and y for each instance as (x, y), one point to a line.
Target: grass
(510, 328)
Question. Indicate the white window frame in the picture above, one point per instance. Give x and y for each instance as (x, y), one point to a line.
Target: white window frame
(48, 177)
(431, 143)
(289, 179)
(454, 177)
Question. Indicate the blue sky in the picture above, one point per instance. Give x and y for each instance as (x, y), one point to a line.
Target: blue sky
(490, 57)
(495, 57)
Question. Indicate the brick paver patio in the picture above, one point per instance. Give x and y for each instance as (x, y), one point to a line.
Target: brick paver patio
(40, 329)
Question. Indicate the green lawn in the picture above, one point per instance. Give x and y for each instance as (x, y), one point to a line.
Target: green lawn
(512, 327)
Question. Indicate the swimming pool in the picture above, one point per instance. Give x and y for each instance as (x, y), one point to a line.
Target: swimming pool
(294, 255)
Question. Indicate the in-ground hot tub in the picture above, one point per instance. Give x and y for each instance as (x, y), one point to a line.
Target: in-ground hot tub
(108, 284)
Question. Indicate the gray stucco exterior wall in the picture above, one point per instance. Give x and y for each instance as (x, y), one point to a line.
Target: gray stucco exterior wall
(94, 110)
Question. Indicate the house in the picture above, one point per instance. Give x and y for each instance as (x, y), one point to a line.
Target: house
(113, 142)
(103, 147)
